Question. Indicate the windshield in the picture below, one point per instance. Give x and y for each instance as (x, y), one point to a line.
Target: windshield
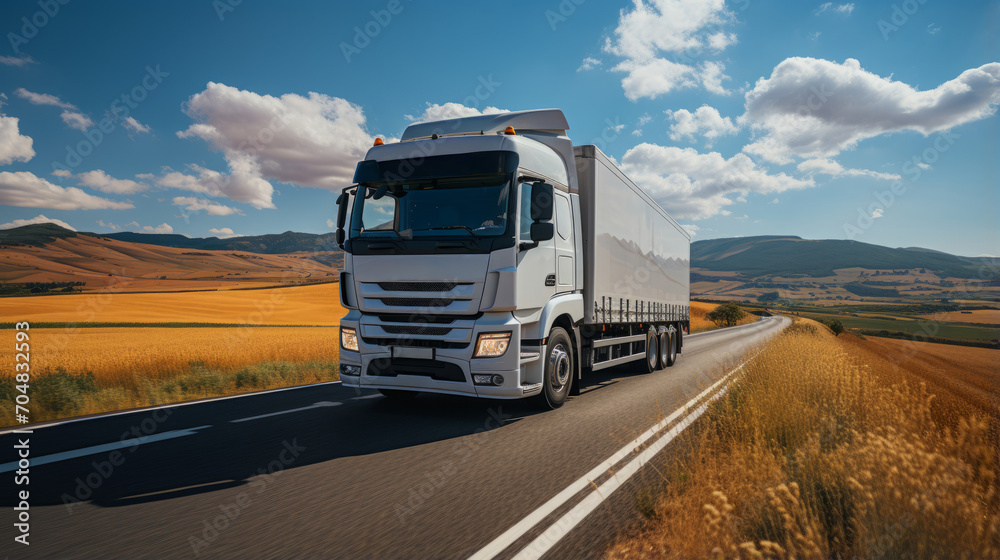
(460, 206)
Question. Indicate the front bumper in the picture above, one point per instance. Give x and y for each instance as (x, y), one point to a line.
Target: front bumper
(404, 365)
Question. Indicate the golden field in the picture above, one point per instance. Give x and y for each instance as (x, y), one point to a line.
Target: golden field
(298, 305)
(119, 356)
(990, 316)
(829, 448)
(94, 370)
(700, 309)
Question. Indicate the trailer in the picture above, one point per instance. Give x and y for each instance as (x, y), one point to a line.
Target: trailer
(487, 256)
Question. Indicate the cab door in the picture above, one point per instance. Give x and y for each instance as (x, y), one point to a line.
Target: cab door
(536, 273)
(564, 244)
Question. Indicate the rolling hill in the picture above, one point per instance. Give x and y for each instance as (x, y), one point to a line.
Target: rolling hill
(45, 257)
(793, 256)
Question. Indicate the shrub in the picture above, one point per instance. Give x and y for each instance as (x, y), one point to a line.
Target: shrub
(726, 315)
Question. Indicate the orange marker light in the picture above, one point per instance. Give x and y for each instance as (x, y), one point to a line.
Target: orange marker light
(379, 142)
(509, 130)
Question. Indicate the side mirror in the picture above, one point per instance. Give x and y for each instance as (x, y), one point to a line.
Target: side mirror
(541, 202)
(542, 231)
(342, 202)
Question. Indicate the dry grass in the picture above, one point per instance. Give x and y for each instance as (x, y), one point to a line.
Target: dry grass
(700, 309)
(300, 305)
(824, 448)
(98, 370)
(991, 316)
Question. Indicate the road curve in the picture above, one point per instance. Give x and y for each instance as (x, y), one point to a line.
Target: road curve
(326, 472)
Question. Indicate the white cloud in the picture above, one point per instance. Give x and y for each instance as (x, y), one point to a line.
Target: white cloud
(691, 229)
(812, 108)
(815, 35)
(313, 141)
(924, 166)
(695, 186)
(14, 146)
(435, 112)
(330, 223)
(224, 233)
(134, 125)
(109, 225)
(829, 167)
(710, 75)
(656, 28)
(42, 99)
(162, 228)
(242, 185)
(39, 219)
(18, 61)
(589, 63)
(933, 28)
(845, 9)
(877, 213)
(64, 173)
(705, 121)
(775, 201)
(98, 179)
(27, 189)
(194, 204)
(655, 77)
(77, 120)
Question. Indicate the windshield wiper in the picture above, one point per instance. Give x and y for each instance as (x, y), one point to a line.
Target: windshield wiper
(466, 228)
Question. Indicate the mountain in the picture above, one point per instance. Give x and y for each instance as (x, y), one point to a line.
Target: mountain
(270, 244)
(61, 259)
(793, 256)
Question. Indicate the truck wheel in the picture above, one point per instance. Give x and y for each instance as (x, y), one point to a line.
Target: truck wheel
(652, 350)
(397, 395)
(671, 348)
(558, 376)
(664, 347)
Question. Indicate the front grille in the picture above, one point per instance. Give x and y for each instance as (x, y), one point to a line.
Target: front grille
(415, 302)
(415, 342)
(418, 286)
(440, 371)
(415, 329)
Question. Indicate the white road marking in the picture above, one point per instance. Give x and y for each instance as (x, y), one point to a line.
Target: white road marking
(499, 544)
(562, 526)
(317, 405)
(95, 449)
(161, 407)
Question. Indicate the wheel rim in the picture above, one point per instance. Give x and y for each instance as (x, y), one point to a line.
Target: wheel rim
(673, 347)
(651, 350)
(664, 348)
(560, 367)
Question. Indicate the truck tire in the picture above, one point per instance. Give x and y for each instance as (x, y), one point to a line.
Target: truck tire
(671, 347)
(652, 350)
(558, 376)
(664, 349)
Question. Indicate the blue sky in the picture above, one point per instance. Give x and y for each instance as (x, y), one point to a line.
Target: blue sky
(873, 121)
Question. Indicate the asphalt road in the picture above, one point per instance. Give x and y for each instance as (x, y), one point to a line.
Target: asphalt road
(326, 472)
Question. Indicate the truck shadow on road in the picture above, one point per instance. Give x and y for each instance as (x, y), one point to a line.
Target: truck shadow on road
(228, 454)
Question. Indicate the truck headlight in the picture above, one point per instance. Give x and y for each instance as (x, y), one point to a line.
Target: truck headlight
(492, 345)
(349, 339)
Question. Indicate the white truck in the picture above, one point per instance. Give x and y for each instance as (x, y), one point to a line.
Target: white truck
(487, 256)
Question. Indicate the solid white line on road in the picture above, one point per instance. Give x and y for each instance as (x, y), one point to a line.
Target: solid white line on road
(559, 528)
(163, 406)
(95, 449)
(518, 530)
(317, 405)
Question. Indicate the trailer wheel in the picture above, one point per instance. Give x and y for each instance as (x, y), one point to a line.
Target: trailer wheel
(664, 348)
(558, 377)
(652, 350)
(671, 347)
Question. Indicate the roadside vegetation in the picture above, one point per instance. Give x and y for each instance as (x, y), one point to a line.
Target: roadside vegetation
(707, 316)
(831, 447)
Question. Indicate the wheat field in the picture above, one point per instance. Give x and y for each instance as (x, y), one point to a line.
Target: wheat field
(826, 449)
(299, 305)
